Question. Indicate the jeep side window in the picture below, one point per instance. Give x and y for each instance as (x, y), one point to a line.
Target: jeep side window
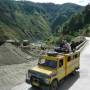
(69, 58)
(61, 63)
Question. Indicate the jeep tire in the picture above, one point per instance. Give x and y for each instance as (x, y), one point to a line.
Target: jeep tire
(54, 85)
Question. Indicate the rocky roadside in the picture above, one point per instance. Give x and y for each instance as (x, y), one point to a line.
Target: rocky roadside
(12, 75)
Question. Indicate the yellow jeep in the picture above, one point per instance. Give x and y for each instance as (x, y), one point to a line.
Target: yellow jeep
(52, 68)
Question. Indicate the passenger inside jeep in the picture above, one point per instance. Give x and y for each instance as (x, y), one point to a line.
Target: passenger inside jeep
(48, 63)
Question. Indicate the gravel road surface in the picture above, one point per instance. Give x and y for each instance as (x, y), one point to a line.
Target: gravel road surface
(81, 81)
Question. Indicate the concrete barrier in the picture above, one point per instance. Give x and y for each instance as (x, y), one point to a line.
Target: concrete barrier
(81, 46)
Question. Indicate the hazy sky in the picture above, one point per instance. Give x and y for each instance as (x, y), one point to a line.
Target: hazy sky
(80, 2)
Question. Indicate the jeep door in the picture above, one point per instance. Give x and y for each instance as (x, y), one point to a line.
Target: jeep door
(61, 68)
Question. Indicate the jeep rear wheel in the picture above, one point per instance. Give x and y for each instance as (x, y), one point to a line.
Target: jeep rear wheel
(54, 85)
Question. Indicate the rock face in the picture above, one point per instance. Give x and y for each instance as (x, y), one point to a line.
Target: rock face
(9, 54)
(14, 64)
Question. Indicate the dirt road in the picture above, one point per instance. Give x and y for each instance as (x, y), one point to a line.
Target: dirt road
(12, 75)
(81, 81)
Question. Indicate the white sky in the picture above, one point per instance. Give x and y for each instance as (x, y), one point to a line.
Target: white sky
(80, 2)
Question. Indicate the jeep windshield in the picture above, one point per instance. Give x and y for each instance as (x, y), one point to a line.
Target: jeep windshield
(48, 63)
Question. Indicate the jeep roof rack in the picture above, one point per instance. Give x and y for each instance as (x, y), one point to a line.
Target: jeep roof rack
(52, 53)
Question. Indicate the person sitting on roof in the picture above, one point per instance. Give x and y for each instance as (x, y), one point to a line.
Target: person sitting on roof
(65, 46)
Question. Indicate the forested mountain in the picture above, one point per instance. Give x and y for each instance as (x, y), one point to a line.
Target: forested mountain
(78, 24)
(33, 21)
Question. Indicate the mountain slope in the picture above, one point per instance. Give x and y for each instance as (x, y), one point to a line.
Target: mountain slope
(79, 24)
(66, 11)
(33, 21)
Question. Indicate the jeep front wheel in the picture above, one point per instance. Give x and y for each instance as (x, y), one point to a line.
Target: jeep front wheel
(54, 85)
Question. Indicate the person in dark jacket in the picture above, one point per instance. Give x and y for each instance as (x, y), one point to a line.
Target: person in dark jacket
(65, 46)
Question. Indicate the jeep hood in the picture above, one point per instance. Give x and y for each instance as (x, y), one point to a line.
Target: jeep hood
(43, 70)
